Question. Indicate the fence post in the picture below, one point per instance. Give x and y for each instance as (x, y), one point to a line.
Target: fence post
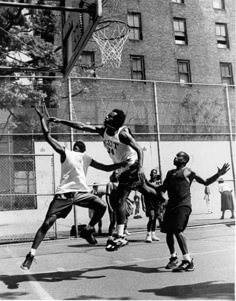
(54, 188)
(230, 135)
(158, 128)
(71, 142)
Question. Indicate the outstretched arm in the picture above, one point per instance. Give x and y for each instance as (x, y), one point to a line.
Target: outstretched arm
(221, 171)
(78, 125)
(108, 168)
(53, 142)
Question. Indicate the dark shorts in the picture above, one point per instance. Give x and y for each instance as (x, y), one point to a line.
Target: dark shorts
(152, 204)
(175, 220)
(132, 178)
(61, 204)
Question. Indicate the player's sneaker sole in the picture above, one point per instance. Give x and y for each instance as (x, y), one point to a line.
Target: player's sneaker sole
(116, 244)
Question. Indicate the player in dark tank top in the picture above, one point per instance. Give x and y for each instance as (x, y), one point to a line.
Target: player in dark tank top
(177, 185)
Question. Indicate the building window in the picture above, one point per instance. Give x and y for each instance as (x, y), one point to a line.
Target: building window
(177, 1)
(137, 67)
(184, 71)
(218, 4)
(222, 35)
(226, 73)
(135, 26)
(24, 185)
(180, 31)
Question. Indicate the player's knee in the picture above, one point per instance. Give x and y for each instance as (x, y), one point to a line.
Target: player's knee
(47, 224)
(101, 206)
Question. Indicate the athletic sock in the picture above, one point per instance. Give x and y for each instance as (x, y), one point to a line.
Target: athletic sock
(187, 257)
(173, 255)
(120, 230)
(33, 252)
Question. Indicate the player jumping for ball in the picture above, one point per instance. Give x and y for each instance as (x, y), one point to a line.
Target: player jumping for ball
(121, 145)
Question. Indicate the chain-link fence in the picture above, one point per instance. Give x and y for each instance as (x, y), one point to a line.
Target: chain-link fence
(158, 113)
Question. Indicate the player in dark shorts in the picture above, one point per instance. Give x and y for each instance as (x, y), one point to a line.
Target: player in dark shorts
(72, 189)
(120, 145)
(177, 184)
(111, 200)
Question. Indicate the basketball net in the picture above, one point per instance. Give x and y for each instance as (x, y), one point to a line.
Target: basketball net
(111, 36)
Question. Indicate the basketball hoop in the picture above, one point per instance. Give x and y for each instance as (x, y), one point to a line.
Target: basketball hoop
(111, 35)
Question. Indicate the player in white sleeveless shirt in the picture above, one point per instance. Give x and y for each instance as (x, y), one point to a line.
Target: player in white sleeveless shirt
(72, 189)
(121, 145)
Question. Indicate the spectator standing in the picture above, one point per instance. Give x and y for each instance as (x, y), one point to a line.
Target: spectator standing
(153, 209)
(137, 202)
(100, 193)
(226, 198)
(207, 199)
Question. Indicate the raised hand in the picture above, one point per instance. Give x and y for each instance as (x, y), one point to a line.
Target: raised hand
(223, 170)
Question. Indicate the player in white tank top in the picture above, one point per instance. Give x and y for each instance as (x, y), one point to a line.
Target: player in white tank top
(119, 151)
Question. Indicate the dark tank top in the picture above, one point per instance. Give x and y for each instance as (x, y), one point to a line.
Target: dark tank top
(178, 188)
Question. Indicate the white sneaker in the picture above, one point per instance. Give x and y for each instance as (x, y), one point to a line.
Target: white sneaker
(148, 238)
(154, 237)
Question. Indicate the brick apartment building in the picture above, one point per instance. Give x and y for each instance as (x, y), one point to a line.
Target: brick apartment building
(174, 41)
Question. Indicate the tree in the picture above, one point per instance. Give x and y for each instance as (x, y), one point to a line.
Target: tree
(27, 43)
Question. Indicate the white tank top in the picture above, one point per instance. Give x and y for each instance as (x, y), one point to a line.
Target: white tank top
(73, 172)
(119, 151)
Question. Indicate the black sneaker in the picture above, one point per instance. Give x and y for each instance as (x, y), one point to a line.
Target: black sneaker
(173, 263)
(117, 243)
(88, 235)
(28, 261)
(185, 266)
(109, 242)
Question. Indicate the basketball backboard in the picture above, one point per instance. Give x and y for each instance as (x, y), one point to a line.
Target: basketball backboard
(77, 29)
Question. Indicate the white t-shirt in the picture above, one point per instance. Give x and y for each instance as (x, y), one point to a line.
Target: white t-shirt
(73, 172)
(224, 187)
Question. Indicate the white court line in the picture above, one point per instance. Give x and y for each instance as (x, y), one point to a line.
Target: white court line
(37, 288)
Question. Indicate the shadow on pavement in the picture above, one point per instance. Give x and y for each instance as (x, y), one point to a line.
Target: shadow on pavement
(12, 296)
(13, 281)
(206, 290)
